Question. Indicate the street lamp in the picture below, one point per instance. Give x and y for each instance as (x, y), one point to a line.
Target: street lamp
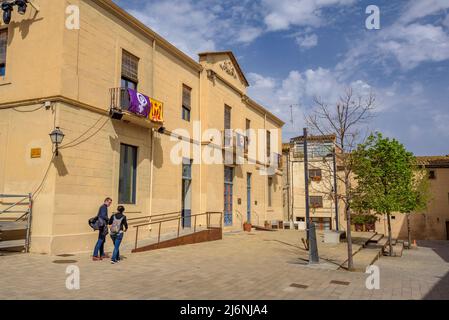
(7, 8)
(56, 137)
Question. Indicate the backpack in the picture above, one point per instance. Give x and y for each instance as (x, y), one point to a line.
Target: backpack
(94, 223)
(116, 226)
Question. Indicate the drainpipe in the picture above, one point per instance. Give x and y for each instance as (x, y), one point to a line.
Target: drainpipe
(151, 177)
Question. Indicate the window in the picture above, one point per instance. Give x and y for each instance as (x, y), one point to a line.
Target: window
(315, 174)
(247, 138)
(3, 46)
(227, 117)
(268, 144)
(432, 175)
(316, 201)
(186, 102)
(227, 126)
(128, 174)
(130, 70)
(270, 186)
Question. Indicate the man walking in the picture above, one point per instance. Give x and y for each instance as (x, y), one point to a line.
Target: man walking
(103, 219)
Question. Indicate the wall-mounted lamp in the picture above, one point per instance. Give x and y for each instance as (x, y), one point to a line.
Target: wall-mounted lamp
(8, 8)
(56, 137)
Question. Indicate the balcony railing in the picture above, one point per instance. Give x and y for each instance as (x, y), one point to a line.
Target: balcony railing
(121, 102)
(119, 99)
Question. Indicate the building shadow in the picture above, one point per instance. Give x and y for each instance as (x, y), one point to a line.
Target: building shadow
(440, 291)
(23, 26)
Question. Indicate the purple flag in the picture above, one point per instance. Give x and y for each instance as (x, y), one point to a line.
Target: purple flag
(138, 103)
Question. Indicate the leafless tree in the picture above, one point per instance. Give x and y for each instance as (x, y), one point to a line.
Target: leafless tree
(347, 120)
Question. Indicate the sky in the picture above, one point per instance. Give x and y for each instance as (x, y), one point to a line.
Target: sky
(294, 50)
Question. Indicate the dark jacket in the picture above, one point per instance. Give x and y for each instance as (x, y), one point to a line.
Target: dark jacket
(103, 212)
(118, 216)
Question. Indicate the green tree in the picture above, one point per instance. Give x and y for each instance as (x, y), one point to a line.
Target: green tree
(386, 178)
(417, 199)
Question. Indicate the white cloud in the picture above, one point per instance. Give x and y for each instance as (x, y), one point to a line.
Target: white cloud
(420, 9)
(440, 123)
(249, 34)
(189, 27)
(307, 41)
(415, 43)
(282, 14)
(446, 21)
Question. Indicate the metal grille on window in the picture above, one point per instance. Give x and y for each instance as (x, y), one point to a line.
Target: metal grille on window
(186, 102)
(3, 45)
(130, 66)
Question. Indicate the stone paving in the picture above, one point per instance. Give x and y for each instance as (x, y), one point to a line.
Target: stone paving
(259, 265)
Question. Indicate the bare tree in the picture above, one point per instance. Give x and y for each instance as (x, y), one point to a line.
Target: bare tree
(347, 122)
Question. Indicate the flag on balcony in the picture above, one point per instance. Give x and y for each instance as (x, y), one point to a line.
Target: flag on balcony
(138, 103)
(157, 111)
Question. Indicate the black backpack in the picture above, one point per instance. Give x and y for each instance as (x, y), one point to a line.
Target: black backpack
(94, 223)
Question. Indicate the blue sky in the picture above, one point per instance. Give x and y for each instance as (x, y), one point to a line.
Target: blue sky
(293, 50)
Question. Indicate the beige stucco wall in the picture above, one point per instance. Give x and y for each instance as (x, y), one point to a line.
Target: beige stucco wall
(429, 224)
(76, 69)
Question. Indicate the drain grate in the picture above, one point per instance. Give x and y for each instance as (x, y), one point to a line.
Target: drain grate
(299, 286)
(341, 283)
(65, 261)
(65, 255)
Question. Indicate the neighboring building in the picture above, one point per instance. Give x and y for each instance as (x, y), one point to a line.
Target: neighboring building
(52, 76)
(321, 181)
(433, 223)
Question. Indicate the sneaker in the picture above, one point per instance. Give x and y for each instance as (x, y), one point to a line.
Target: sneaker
(113, 262)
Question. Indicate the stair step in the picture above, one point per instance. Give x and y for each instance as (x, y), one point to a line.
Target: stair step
(377, 238)
(12, 226)
(12, 244)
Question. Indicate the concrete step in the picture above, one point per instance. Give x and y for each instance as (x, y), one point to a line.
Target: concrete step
(377, 238)
(15, 244)
(12, 226)
(364, 258)
(381, 244)
(398, 249)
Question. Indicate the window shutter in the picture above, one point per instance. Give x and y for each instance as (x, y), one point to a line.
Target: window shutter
(227, 118)
(186, 97)
(3, 45)
(130, 65)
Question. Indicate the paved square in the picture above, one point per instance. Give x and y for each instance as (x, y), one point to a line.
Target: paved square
(260, 265)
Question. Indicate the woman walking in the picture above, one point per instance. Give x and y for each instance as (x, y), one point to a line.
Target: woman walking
(118, 225)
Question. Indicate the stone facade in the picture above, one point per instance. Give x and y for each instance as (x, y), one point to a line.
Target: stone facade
(72, 71)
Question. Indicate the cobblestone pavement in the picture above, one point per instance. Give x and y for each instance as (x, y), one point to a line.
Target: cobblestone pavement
(242, 266)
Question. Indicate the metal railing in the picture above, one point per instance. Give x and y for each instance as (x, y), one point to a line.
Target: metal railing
(119, 99)
(179, 219)
(25, 213)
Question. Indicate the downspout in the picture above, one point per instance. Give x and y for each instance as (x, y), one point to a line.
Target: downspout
(265, 155)
(152, 138)
(200, 138)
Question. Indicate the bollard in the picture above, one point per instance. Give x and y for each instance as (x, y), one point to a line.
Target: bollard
(313, 245)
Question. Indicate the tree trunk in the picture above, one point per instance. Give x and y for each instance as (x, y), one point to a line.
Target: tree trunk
(349, 238)
(409, 231)
(390, 245)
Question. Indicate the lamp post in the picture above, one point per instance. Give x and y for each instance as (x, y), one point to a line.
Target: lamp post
(56, 137)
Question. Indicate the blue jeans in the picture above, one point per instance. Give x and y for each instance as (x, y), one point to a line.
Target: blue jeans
(117, 240)
(99, 247)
